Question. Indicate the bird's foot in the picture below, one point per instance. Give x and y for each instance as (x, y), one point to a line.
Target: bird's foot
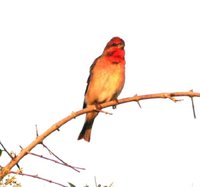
(99, 109)
(115, 106)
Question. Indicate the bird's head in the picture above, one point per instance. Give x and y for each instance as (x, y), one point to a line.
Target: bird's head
(115, 48)
(114, 43)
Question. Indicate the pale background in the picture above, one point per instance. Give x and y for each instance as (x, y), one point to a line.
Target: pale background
(46, 49)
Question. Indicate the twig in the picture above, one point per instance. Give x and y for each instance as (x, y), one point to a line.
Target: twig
(64, 163)
(38, 177)
(5, 170)
(9, 154)
(57, 162)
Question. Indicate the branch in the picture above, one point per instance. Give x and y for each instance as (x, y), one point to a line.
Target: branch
(57, 162)
(38, 177)
(10, 155)
(5, 170)
(61, 161)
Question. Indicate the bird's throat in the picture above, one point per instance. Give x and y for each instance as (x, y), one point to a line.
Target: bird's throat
(116, 56)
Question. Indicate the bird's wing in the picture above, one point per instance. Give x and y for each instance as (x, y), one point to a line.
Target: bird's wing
(88, 80)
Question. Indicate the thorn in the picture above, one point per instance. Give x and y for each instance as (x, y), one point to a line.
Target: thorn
(98, 110)
(36, 130)
(139, 104)
(193, 108)
(172, 98)
(20, 147)
(138, 101)
(175, 100)
(73, 114)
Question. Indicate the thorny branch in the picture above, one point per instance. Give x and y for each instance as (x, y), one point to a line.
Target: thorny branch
(37, 177)
(5, 170)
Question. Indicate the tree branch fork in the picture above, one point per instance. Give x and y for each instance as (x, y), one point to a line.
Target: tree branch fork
(39, 139)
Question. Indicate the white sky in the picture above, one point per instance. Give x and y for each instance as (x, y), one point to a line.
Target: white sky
(46, 49)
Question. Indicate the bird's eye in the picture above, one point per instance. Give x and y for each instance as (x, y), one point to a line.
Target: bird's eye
(114, 44)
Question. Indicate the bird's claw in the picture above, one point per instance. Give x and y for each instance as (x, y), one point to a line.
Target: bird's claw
(115, 106)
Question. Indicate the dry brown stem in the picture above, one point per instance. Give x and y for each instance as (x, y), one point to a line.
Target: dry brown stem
(5, 170)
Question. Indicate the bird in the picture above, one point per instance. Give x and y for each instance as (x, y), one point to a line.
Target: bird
(105, 82)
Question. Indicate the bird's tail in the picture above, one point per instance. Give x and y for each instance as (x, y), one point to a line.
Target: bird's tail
(87, 127)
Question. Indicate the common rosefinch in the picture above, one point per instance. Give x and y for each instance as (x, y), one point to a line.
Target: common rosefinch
(105, 82)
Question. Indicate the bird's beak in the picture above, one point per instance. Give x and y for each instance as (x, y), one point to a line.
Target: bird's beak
(121, 46)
